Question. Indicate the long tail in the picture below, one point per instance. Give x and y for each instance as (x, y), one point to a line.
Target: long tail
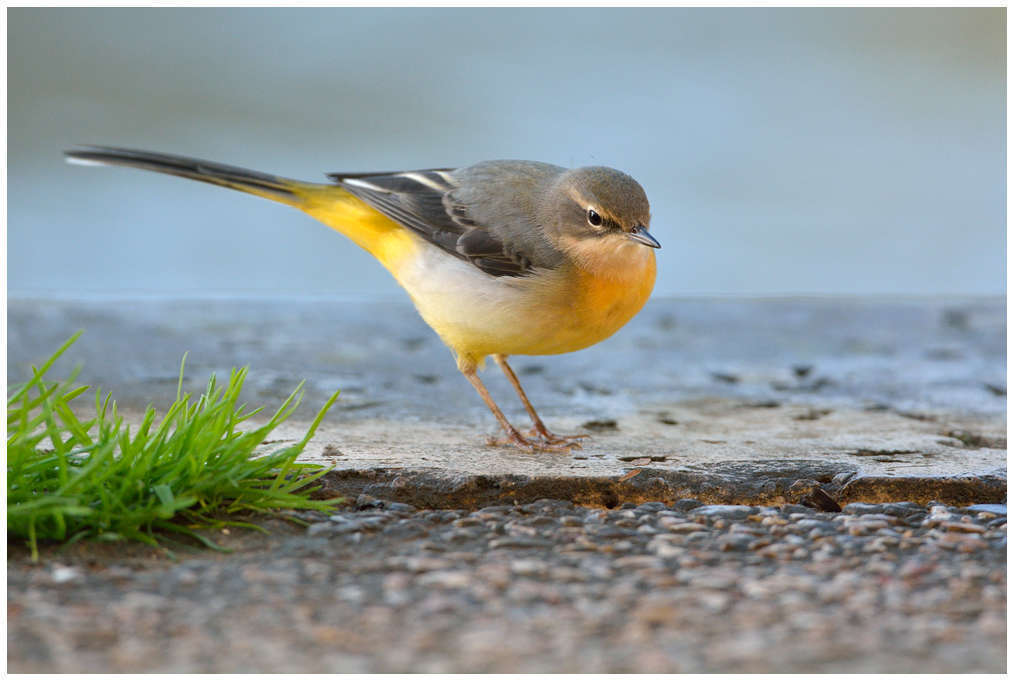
(261, 184)
(330, 203)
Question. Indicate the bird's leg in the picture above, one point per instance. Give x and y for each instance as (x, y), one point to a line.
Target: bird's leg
(513, 436)
(539, 427)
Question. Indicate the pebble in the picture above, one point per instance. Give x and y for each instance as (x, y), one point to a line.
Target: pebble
(997, 509)
(862, 509)
(61, 574)
(735, 542)
(560, 576)
(520, 543)
(725, 512)
(815, 523)
(962, 527)
(679, 525)
(865, 527)
(686, 504)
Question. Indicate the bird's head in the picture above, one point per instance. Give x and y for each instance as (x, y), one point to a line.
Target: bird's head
(599, 217)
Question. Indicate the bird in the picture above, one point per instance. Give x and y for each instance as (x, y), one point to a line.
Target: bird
(500, 258)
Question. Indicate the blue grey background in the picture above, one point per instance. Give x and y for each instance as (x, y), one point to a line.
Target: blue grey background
(785, 151)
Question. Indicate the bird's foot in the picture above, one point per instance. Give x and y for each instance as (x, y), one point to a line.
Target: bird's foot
(515, 439)
(544, 435)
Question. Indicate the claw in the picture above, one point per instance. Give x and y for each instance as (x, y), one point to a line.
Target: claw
(531, 446)
(554, 439)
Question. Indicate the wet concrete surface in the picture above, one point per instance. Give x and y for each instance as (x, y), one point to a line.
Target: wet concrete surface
(730, 401)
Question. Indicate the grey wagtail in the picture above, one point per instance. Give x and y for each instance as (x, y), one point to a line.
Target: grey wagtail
(500, 258)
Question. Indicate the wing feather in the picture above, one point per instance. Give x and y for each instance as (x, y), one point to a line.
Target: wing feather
(424, 201)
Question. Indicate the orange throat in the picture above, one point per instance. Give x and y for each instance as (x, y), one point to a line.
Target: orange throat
(613, 286)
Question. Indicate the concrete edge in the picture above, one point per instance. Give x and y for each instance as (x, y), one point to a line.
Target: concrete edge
(819, 485)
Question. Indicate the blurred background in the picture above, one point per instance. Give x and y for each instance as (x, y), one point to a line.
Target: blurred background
(785, 151)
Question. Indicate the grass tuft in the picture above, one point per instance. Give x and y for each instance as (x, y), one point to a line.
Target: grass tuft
(72, 478)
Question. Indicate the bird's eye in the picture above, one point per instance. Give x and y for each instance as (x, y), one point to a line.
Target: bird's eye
(594, 219)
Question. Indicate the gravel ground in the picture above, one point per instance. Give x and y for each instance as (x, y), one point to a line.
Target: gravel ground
(543, 587)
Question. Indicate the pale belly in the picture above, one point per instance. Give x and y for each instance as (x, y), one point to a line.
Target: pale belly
(549, 313)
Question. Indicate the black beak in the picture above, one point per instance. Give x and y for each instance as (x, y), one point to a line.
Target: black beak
(641, 235)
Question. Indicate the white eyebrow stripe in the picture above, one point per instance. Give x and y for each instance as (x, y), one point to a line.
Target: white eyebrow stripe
(446, 177)
(77, 161)
(425, 181)
(365, 185)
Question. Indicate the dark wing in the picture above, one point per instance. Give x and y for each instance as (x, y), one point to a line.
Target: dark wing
(423, 201)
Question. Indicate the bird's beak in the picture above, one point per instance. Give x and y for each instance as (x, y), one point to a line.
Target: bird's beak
(641, 235)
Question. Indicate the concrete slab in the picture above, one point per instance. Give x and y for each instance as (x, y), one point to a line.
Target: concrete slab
(729, 401)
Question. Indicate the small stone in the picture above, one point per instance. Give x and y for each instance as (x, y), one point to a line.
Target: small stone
(373, 524)
(520, 543)
(459, 536)
(425, 563)
(997, 509)
(940, 511)
(447, 579)
(581, 544)
(862, 509)
(860, 526)
(406, 528)
(964, 543)
(810, 493)
(962, 527)
(686, 504)
(496, 509)
(62, 574)
(726, 512)
(735, 542)
(319, 529)
(634, 562)
(665, 549)
(519, 529)
(872, 517)
(613, 532)
(545, 506)
(364, 501)
(470, 521)
(528, 567)
(878, 544)
(901, 509)
(680, 526)
(740, 528)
